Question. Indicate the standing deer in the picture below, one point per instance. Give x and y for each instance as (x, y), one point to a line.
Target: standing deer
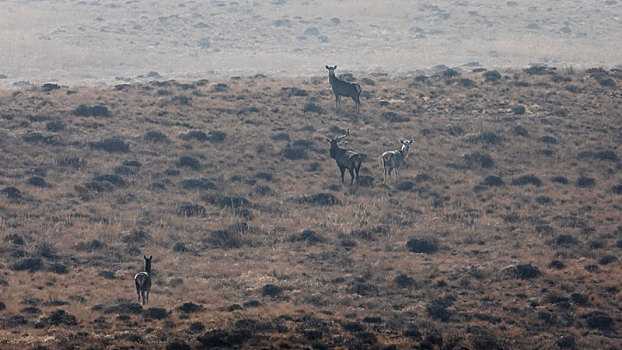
(143, 281)
(343, 88)
(395, 159)
(345, 158)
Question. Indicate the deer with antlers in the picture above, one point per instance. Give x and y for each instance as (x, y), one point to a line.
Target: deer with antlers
(345, 158)
(143, 281)
(343, 88)
(392, 160)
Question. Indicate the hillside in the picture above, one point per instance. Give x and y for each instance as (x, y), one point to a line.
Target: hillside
(504, 229)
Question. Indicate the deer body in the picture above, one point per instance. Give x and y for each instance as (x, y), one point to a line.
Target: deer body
(343, 88)
(143, 282)
(345, 158)
(394, 159)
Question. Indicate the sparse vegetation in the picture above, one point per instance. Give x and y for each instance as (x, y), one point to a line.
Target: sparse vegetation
(485, 242)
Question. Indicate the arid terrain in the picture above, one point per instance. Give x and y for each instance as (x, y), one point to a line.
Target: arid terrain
(503, 231)
(93, 42)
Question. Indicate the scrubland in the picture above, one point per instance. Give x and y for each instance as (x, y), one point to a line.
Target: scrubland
(503, 230)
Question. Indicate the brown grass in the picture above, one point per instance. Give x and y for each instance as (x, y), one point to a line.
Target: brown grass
(465, 293)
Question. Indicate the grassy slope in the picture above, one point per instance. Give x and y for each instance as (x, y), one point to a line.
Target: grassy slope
(358, 263)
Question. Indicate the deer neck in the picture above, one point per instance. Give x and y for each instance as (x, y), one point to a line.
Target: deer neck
(334, 150)
(404, 152)
(148, 268)
(331, 77)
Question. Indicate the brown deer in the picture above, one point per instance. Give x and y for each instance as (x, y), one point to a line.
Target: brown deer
(345, 158)
(395, 159)
(143, 281)
(343, 88)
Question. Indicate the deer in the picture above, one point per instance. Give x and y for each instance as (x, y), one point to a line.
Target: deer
(392, 160)
(143, 281)
(343, 88)
(345, 158)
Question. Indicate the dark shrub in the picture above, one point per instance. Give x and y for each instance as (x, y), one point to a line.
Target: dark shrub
(599, 155)
(190, 162)
(172, 172)
(216, 136)
(556, 264)
(353, 327)
(109, 275)
(33, 137)
(309, 236)
(74, 162)
(220, 87)
(12, 193)
(467, 83)
(58, 268)
(394, 117)
(546, 317)
(233, 202)
(198, 184)
(560, 180)
(195, 135)
(225, 239)
(37, 181)
(121, 306)
(591, 268)
(527, 180)
(450, 73)
(271, 290)
(137, 236)
(565, 239)
(112, 145)
(405, 186)
(55, 126)
(544, 200)
(180, 247)
(196, 327)
(518, 110)
(112, 178)
(91, 111)
(566, 342)
(364, 289)
(59, 318)
(90, 246)
(579, 299)
(404, 281)
(156, 136)
(598, 320)
(438, 308)
(312, 107)
(526, 271)
(191, 209)
(324, 199)
(294, 152)
(281, 137)
(224, 338)
(492, 76)
(607, 259)
(179, 344)
(548, 139)
(32, 265)
(157, 313)
(521, 131)
(422, 245)
(49, 87)
(585, 181)
(190, 307)
(14, 238)
(483, 160)
(455, 130)
(617, 189)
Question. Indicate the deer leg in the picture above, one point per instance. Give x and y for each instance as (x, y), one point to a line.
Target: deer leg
(343, 171)
(357, 173)
(351, 176)
(147, 297)
(137, 290)
(395, 174)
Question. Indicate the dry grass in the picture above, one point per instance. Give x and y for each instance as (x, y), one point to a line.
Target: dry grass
(352, 282)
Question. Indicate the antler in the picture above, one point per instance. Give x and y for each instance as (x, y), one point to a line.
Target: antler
(344, 135)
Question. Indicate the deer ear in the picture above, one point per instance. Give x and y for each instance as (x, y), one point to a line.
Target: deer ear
(328, 140)
(144, 256)
(150, 257)
(412, 140)
(335, 67)
(327, 67)
(402, 142)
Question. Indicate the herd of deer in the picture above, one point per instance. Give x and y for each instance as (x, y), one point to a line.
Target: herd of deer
(345, 158)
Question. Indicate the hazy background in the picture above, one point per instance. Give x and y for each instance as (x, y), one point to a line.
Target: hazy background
(93, 42)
